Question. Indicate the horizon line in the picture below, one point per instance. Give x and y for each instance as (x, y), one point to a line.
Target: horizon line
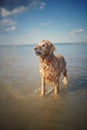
(35, 43)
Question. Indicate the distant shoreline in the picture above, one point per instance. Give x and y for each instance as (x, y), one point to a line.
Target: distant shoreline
(35, 44)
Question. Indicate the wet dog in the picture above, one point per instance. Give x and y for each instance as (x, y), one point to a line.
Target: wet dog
(51, 66)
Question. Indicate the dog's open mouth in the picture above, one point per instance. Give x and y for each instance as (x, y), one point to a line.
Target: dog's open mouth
(38, 53)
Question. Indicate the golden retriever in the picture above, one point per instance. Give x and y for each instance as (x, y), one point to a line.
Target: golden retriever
(51, 66)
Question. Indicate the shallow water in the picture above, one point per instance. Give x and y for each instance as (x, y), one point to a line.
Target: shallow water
(23, 109)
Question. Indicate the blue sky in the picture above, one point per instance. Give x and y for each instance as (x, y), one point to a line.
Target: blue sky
(30, 21)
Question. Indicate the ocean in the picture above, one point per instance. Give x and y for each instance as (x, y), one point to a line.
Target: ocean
(23, 109)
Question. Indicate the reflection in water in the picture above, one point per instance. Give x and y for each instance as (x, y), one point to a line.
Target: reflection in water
(22, 109)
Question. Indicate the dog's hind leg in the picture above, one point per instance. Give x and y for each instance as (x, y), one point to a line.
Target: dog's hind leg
(65, 81)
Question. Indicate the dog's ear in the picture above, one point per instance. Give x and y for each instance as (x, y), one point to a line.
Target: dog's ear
(52, 49)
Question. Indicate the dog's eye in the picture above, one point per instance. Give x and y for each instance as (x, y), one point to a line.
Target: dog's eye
(43, 45)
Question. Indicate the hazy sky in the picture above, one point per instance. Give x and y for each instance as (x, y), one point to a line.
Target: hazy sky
(29, 21)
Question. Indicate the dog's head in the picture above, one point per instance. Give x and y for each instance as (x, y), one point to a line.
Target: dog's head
(44, 48)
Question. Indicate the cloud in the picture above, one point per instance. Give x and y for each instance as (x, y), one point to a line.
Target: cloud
(67, 24)
(42, 5)
(76, 32)
(7, 22)
(18, 10)
(7, 25)
(46, 23)
(15, 7)
(12, 4)
(12, 28)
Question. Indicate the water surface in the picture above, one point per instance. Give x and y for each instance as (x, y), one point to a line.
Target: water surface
(22, 109)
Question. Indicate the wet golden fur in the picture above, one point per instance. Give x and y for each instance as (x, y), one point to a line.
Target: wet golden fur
(51, 66)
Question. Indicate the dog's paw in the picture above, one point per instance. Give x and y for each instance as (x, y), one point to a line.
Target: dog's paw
(65, 81)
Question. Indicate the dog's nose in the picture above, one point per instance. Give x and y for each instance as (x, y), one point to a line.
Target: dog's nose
(35, 48)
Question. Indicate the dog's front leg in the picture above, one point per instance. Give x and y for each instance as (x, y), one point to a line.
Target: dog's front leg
(43, 87)
(56, 88)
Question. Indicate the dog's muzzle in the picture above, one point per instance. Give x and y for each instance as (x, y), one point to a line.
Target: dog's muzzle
(37, 52)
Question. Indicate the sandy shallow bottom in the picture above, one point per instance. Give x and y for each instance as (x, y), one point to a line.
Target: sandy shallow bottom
(27, 110)
(21, 108)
